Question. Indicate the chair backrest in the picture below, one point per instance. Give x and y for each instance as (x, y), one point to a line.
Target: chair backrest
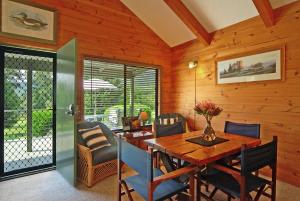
(249, 130)
(258, 157)
(136, 158)
(106, 131)
(168, 123)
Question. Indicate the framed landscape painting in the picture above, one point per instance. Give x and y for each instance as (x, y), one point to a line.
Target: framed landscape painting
(259, 66)
(24, 20)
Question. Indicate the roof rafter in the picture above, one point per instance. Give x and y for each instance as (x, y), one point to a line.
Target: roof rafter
(189, 20)
(265, 11)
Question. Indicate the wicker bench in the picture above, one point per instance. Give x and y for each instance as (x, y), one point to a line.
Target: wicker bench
(94, 166)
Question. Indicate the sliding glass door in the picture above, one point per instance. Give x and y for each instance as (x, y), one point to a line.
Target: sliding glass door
(115, 90)
(27, 130)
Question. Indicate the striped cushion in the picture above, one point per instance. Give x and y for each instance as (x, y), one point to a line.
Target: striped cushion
(94, 138)
(168, 121)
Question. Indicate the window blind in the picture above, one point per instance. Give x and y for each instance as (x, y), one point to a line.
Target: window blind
(141, 91)
(112, 91)
(103, 92)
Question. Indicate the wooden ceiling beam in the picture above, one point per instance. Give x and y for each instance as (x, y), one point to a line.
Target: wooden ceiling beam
(265, 11)
(189, 20)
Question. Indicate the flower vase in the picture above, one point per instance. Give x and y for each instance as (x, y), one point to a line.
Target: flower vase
(209, 133)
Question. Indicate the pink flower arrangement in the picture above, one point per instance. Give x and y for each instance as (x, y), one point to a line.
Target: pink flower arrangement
(208, 109)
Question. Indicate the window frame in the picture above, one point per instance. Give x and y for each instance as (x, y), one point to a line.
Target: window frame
(157, 69)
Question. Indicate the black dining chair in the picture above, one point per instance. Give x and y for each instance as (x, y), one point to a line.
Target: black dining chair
(240, 182)
(166, 125)
(149, 182)
(249, 130)
(243, 129)
(169, 124)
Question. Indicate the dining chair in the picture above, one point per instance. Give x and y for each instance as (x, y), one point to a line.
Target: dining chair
(249, 130)
(169, 124)
(166, 125)
(240, 182)
(243, 129)
(149, 182)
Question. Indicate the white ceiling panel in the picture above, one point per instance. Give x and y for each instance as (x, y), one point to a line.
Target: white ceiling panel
(212, 14)
(217, 14)
(161, 19)
(278, 3)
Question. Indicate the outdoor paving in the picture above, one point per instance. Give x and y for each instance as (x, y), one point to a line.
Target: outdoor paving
(17, 157)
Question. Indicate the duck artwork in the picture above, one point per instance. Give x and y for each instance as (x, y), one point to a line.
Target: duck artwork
(22, 19)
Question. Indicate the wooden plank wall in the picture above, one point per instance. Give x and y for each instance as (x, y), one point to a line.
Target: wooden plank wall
(275, 105)
(106, 29)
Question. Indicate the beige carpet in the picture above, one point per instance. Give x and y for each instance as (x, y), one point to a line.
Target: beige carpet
(50, 186)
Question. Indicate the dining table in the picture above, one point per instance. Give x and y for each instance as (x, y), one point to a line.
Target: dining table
(179, 147)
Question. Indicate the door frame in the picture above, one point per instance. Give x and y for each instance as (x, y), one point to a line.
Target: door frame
(36, 169)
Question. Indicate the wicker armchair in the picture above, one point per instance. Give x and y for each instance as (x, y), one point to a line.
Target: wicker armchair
(89, 171)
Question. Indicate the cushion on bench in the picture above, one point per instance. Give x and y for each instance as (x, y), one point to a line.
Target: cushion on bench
(94, 138)
(104, 154)
(106, 131)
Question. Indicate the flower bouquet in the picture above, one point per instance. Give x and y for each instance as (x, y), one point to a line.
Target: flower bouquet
(208, 109)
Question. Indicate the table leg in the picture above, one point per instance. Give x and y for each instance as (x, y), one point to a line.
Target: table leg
(198, 187)
(192, 188)
(157, 160)
(179, 163)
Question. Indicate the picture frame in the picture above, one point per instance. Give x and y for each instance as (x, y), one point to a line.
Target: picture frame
(126, 123)
(29, 21)
(266, 64)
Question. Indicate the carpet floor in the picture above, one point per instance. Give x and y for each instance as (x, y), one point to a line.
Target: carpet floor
(50, 186)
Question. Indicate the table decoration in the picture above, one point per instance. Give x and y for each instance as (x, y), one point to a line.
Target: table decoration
(208, 110)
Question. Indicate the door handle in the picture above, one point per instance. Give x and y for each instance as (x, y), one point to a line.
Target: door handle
(71, 110)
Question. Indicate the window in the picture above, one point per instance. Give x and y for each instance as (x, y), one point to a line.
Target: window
(113, 90)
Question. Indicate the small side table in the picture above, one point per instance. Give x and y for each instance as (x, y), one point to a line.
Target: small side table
(137, 137)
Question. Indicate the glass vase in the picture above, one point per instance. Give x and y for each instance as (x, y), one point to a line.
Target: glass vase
(209, 133)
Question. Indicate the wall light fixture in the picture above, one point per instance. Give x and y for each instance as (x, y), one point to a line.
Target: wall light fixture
(193, 64)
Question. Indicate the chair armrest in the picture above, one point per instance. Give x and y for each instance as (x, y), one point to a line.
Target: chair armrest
(174, 174)
(234, 173)
(82, 148)
(85, 153)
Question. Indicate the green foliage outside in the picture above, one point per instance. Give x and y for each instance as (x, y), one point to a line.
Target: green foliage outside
(17, 130)
(16, 103)
(41, 125)
(41, 122)
(110, 97)
(13, 101)
(42, 90)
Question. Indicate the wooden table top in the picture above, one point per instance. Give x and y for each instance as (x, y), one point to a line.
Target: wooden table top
(177, 146)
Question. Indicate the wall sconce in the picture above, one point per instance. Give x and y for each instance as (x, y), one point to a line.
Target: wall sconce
(193, 64)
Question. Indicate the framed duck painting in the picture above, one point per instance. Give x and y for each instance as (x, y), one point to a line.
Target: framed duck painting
(24, 20)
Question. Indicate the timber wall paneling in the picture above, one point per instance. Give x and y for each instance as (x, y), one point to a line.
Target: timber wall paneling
(274, 104)
(106, 29)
